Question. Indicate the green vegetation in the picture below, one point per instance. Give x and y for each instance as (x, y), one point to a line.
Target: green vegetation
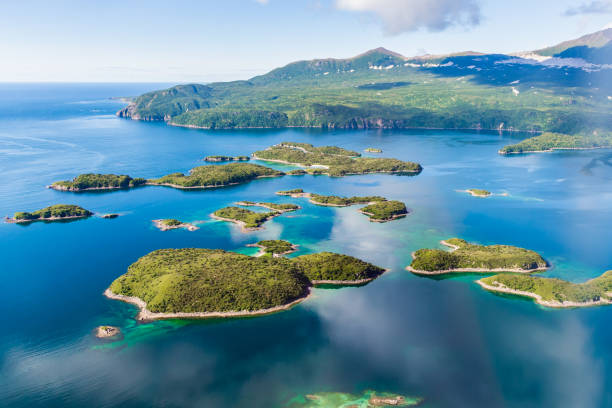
(273, 206)
(327, 266)
(547, 142)
(276, 246)
(57, 211)
(367, 399)
(335, 161)
(385, 210)
(171, 222)
(290, 192)
(249, 219)
(207, 280)
(92, 181)
(217, 176)
(343, 201)
(373, 150)
(556, 291)
(477, 258)
(297, 172)
(226, 158)
(479, 192)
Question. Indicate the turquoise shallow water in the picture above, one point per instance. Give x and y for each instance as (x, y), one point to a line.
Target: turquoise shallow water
(444, 340)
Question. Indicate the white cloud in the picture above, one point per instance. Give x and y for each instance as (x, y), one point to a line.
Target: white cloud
(262, 1)
(593, 7)
(400, 16)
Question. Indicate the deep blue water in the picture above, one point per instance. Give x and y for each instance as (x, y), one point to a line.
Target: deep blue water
(445, 340)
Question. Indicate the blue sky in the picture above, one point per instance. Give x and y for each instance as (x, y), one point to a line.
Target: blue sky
(203, 41)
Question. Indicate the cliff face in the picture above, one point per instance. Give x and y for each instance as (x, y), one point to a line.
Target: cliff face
(131, 112)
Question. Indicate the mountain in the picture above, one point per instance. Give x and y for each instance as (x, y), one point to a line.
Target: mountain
(594, 40)
(384, 89)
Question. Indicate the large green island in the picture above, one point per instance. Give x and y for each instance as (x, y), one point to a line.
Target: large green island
(92, 181)
(465, 257)
(200, 283)
(56, 212)
(552, 292)
(548, 142)
(332, 160)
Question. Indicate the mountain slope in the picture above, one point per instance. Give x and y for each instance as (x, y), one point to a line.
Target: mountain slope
(594, 40)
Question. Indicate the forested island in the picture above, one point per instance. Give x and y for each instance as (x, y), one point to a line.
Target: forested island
(171, 223)
(56, 212)
(548, 142)
(465, 257)
(332, 160)
(274, 247)
(285, 207)
(478, 192)
(553, 292)
(247, 220)
(216, 176)
(226, 158)
(384, 211)
(199, 283)
(92, 181)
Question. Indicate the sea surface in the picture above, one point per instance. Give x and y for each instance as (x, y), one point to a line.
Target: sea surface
(444, 340)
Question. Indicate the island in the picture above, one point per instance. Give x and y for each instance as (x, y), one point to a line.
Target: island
(296, 172)
(110, 216)
(476, 192)
(465, 257)
(367, 399)
(248, 220)
(281, 208)
(372, 150)
(274, 247)
(384, 211)
(201, 283)
(295, 193)
(548, 142)
(106, 332)
(91, 181)
(332, 160)
(170, 224)
(56, 212)
(552, 292)
(226, 158)
(216, 176)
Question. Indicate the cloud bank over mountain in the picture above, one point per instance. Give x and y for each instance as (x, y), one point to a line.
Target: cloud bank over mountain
(398, 16)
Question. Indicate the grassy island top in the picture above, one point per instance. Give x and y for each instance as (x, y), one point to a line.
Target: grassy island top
(333, 161)
(226, 158)
(212, 280)
(246, 218)
(271, 206)
(367, 399)
(54, 212)
(276, 246)
(217, 176)
(547, 142)
(385, 210)
(91, 181)
(170, 222)
(290, 192)
(373, 150)
(477, 192)
(475, 258)
(553, 292)
(329, 267)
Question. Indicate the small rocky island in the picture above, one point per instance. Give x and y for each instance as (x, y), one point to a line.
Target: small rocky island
(552, 292)
(91, 181)
(200, 283)
(107, 332)
(477, 192)
(465, 257)
(274, 247)
(110, 216)
(372, 150)
(368, 399)
(170, 224)
(56, 212)
(216, 159)
(332, 160)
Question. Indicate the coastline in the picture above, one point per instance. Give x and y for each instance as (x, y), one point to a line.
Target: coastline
(74, 217)
(322, 166)
(553, 149)
(146, 315)
(163, 227)
(348, 282)
(294, 248)
(380, 220)
(148, 183)
(538, 299)
(262, 205)
(243, 227)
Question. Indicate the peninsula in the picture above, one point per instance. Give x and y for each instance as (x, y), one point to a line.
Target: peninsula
(201, 283)
(465, 257)
(552, 292)
(332, 160)
(169, 224)
(548, 142)
(56, 212)
(91, 181)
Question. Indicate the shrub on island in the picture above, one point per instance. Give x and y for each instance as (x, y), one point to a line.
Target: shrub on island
(217, 176)
(54, 212)
(91, 181)
(290, 192)
(385, 210)
(475, 258)
(343, 201)
(328, 267)
(276, 246)
(285, 207)
(246, 218)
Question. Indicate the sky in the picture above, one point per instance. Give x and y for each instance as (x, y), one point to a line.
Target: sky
(210, 40)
